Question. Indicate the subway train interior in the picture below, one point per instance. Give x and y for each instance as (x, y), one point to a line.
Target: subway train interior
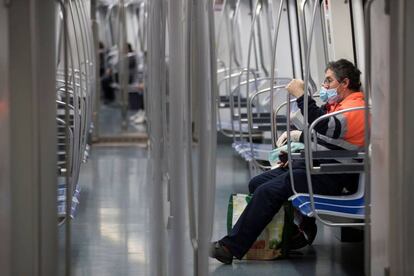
(210, 137)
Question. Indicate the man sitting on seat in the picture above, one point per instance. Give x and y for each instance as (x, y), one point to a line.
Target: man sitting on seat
(340, 90)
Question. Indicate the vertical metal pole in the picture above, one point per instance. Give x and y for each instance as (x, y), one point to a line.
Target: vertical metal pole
(206, 85)
(32, 144)
(156, 90)
(5, 164)
(79, 101)
(43, 22)
(367, 156)
(401, 191)
(97, 102)
(359, 37)
(68, 179)
(189, 140)
(308, 150)
(123, 64)
(177, 84)
(294, 40)
(273, 124)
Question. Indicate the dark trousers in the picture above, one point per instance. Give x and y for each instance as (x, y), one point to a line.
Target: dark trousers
(270, 190)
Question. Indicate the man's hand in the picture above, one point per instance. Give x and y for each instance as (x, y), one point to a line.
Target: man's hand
(283, 159)
(294, 137)
(296, 88)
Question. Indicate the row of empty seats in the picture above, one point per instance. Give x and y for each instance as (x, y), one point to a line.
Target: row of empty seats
(75, 89)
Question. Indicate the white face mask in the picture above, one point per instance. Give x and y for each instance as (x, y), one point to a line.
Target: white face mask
(329, 95)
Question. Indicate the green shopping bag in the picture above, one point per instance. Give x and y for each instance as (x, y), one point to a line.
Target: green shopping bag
(273, 242)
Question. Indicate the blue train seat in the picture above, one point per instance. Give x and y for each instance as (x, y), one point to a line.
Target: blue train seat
(347, 206)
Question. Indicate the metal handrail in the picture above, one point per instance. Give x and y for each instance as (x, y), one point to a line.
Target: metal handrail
(269, 23)
(91, 59)
(234, 21)
(68, 178)
(220, 82)
(221, 19)
(244, 70)
(270, 90)
(274, 113)
(231, 44)
(67, 151)
(317, 120)
(273, 124)
(256, 12)
(78, 145)
(259, 39)
(229, 81)
(189, 141)
(306, 85)
(307, 46)
(325, 39)
(310, 168)
(212, 143)
(308, 150)
(238, 88)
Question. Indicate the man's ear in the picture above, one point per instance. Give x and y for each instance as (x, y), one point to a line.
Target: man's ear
(346, 82)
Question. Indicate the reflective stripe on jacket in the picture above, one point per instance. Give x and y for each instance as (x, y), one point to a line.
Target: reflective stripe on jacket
(342, 131)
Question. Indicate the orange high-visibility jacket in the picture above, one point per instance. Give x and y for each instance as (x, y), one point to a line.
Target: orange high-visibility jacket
(342, 131)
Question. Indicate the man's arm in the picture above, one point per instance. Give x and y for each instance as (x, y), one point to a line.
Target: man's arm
(332, 127)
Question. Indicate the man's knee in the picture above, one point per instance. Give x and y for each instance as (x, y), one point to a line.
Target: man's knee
(278, 189)
(254, 183)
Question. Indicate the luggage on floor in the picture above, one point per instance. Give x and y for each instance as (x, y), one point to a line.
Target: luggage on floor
(274, 241)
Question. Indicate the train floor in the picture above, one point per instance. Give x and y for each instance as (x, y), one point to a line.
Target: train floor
(110, 231)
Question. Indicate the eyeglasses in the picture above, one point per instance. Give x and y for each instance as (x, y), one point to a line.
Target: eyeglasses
(328, 81)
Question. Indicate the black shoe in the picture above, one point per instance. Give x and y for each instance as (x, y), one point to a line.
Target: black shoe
(304, 234)
(310, 229)
(298, 240)
(220, 253)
